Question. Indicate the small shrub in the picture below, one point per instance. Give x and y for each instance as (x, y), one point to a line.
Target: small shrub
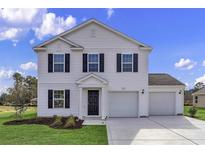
(57, 122)
(70, 122)
(192, 111)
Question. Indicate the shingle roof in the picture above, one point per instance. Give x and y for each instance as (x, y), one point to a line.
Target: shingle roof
(163, 79)
(200, 91)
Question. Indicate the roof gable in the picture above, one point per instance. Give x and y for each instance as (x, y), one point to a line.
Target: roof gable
(61, 35)
(72, 44)
(91, 79)
(200, 91)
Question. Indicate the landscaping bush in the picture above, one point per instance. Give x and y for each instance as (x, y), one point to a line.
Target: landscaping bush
(192, 111)
(57, 122)
(70, 122)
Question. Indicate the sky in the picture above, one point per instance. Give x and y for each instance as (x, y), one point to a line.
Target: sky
(177, 37)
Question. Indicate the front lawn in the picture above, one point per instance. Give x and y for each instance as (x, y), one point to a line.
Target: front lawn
(199, 115)
(42, 134)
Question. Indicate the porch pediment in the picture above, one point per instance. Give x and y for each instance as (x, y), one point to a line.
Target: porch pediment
(92, 80)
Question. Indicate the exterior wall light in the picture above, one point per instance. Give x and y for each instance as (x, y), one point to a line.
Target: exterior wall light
(142, 91)
(180, 92)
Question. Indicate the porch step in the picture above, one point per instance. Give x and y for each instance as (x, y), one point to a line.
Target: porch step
(93, 121)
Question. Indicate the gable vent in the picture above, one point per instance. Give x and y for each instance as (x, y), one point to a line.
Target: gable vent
(93, 33)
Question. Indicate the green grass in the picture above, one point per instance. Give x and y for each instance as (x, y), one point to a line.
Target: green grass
(42, 134)
(199, 115)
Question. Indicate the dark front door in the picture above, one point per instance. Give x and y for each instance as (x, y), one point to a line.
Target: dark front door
(93, 102)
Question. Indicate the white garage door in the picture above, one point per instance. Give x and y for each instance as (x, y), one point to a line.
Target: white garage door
(162, 103)
(123, 104)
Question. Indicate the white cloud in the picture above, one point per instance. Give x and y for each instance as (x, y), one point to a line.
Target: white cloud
(200, 79)
(10, 33)
(29, 66)
(187, 85)
(21, 16)
(16, 23)
(110, 12)
(53, 25)
(185, 64)
(203, 63)
(32, 41)
(6, 73)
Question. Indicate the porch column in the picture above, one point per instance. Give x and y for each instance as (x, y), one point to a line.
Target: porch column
(104, 103)
(81, 103)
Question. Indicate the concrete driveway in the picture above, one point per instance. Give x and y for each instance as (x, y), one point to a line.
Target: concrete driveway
(156, 130)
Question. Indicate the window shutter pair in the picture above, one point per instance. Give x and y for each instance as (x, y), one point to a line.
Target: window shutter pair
(135, 62)
(85, 62)
(50, 99)
(67, 63)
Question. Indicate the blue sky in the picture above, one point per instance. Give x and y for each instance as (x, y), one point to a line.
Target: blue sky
(176, 35)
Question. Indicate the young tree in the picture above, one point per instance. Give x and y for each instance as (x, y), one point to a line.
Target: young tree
(18, 95)
(31, 85)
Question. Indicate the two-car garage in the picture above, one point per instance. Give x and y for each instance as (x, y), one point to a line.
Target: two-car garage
(165, 97)
(126, 104)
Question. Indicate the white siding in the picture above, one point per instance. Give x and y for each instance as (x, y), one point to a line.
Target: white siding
(105, 42)
(102, 38)
(201, 101)
(43, 99)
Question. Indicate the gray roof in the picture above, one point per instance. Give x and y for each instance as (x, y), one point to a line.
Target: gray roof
(163, 79)
(200, 91)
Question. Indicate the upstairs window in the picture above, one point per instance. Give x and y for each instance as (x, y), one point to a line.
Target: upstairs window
(127, 62)
(58, 99)
(196, 99)
(58, 62)
(93, 62)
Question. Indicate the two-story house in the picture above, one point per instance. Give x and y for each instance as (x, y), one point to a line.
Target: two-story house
(93, 70)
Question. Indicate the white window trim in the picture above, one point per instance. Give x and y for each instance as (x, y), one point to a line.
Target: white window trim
(59, 62)
(59, 99)
(88, 68)
(126, 62)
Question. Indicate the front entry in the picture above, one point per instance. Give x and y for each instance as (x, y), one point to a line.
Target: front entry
(93, 102)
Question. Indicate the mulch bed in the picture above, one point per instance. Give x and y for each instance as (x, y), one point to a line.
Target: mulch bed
(45, 121)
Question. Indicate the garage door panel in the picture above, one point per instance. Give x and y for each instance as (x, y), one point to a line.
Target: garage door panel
(162, 103)
(123, 104)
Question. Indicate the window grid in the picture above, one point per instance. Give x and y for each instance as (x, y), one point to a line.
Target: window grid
(196, 99)
(60, 98)
(126, 62)
(92, 61)
(58, 63)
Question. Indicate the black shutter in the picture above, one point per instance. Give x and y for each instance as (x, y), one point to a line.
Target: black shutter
(101, 62)
(67, 98)
(67, 62)
(50, 62)
(50, 99)
(118, 62)
(85, 62)
(135, 63)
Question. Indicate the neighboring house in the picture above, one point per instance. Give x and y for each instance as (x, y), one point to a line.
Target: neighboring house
(199, 98)
(93, 70)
